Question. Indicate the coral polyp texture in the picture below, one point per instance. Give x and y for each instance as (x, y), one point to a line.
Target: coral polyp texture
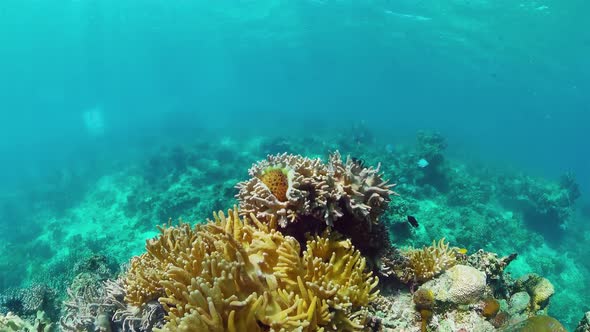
(237, 274)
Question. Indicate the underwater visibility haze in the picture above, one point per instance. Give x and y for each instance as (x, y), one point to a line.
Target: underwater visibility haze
(382, 165)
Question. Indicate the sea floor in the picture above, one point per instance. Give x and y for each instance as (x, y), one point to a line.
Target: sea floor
(50, 231)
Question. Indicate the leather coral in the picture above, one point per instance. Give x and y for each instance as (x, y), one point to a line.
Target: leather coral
(238, 274)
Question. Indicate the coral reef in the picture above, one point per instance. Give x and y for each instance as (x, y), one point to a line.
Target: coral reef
(539, 323)
(493, 267)
(243, 275)
(100, 306)
(13, 323)
(490, 308)
(27, 302)
(430, 148)
(395, 312)
(305, 192)
(546, 207)
(539, 289)
(470, 292)
(421, 265)
(519, 302)
(307, 195)
(584, 325)
(292, 187)
(459, 284)
(87, 308)
(471, 206)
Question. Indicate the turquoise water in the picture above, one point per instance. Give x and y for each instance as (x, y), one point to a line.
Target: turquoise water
(90, 90)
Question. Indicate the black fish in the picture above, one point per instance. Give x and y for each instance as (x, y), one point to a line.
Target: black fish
(358, 161)
(413, 221)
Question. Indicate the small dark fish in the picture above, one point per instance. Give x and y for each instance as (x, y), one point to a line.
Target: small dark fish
(358, 161)
(413, 221)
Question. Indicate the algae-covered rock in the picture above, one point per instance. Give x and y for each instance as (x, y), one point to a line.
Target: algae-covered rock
(460, 284)
(12, 322)
(519, 302)
(463, 321)
(540, 323)
(540, 290)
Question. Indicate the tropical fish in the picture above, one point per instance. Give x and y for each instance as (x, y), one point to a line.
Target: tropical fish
(423, 163)
(413, 221)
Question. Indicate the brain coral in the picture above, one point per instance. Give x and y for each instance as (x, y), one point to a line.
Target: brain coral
(235, 274)
(461, 284)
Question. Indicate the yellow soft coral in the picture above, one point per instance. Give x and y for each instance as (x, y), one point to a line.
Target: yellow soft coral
(421, 265)
(244, 275)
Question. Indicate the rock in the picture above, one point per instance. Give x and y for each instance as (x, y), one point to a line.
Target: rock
(541, 293)
(519, 302)
(471, 321)
(584, 325)
(460, 284)
(539, 323)
(540, 289)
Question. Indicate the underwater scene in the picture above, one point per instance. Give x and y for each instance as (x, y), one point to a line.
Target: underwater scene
(309, 165)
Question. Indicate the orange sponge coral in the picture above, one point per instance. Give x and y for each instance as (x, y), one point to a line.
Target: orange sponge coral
(277, 181)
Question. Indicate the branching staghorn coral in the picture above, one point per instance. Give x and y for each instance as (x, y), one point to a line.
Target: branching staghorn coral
(95, 305)
(244, 275)
(362, 189)
(307, 195)
(420, 265)
(87, 308)
(292, 187)
(286, 186)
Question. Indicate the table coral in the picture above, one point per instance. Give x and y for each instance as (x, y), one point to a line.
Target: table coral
(243, 275)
